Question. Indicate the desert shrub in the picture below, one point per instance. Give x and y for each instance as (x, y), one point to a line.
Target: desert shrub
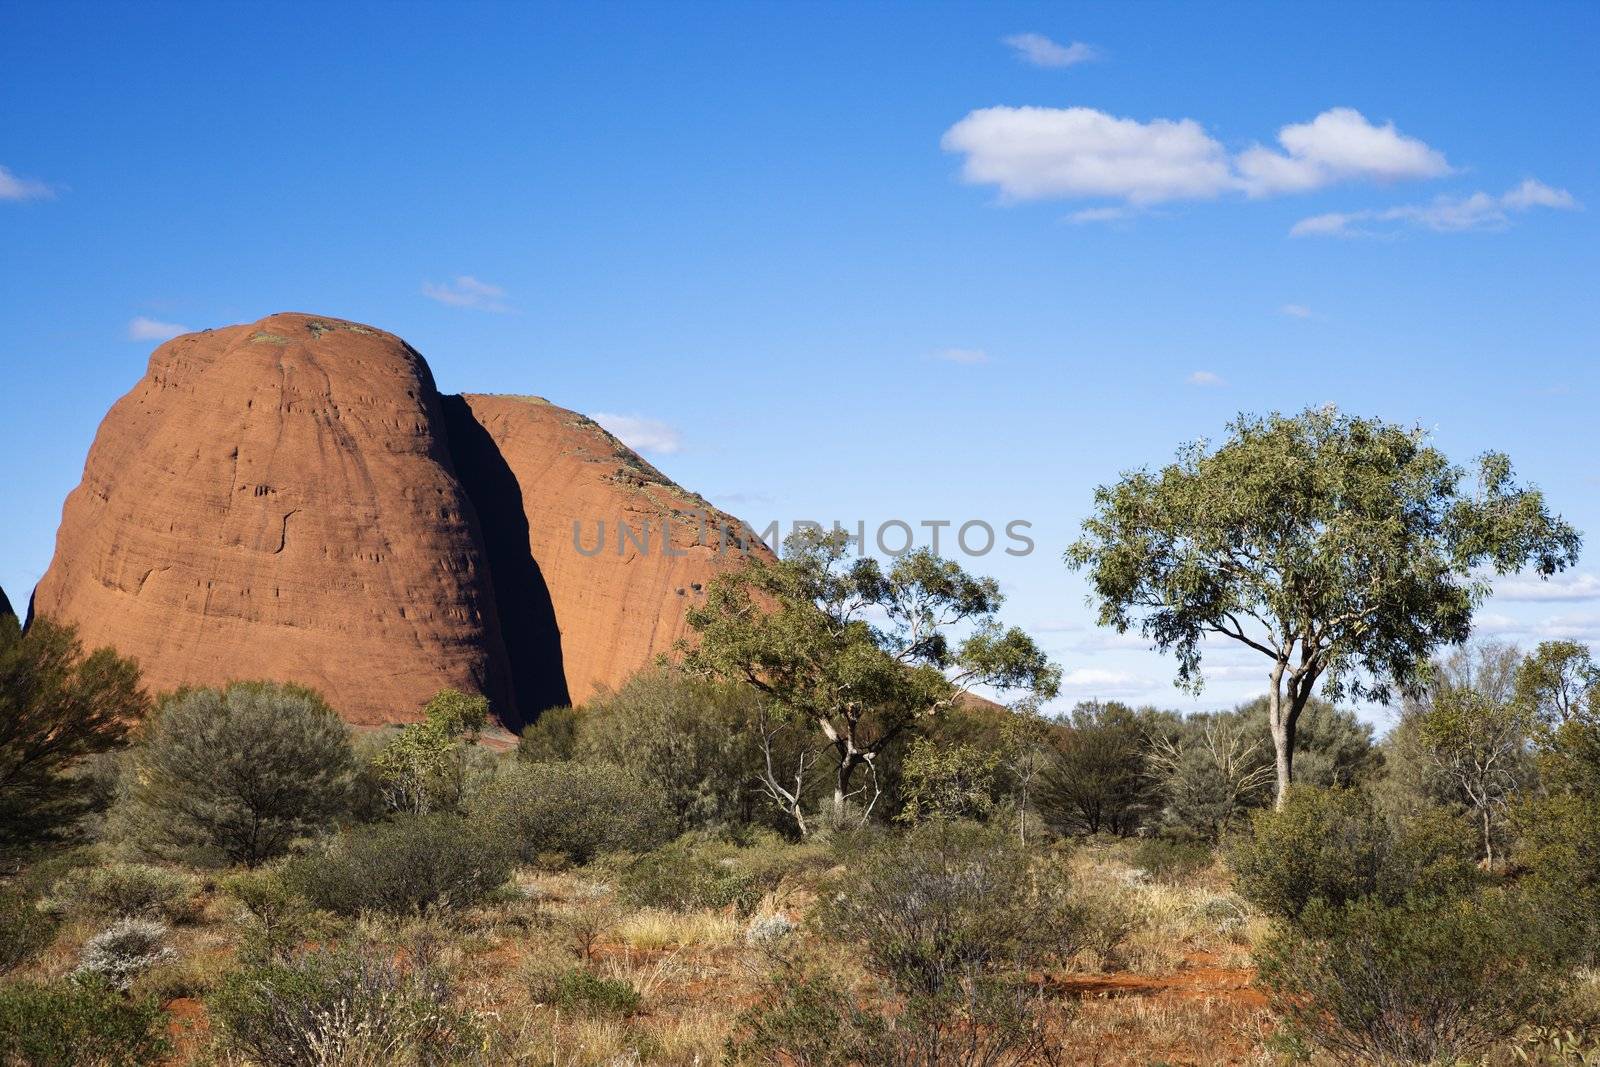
(237, 775)
(577, 989)
(25, 931)
(809, 1020)
(117, 890)
(1099, 779)
(57, 707)
(691, 737)
(552, 737)
(1420, 982)
(412, 863)
(124, 950)
(764, 930)
(348, 1005)
(1335, 846)
(273, 916)
(78, 1022)
(682, 877)
(948, 781)
(432, 765)
(578, 810)
(1172, 860)
(948, 903)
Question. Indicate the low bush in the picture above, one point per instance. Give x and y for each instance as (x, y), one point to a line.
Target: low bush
(1419, 982)
(807, 1020)
(119, 890)
(275, 918)
(1172, 860)
(74, 1022)
(575, 809)
(1334, 845)
(682, 877)
(123, 951)
(344, 1006)
(412, 863)
(25, 931)
(584, 992)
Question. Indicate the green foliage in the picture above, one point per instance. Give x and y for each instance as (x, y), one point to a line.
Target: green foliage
(347, 1005)
(796, 630)
(118, 890)
(1345, 550)
(76, 1022)
(1332, 747)
(1172, 860)
(576, 809)
(949, 903)
(425, 768)
(276, 919)
(1418, 982)
(1335, 847)
(57, 706)
(1559, 682)
(1211, 770)
(412, 863)
(25, 931)
(948, 781)
(552, 737)
(237, 775)
(1100, 779)
(682, 877)
(693, 737)
(580, 990)
(809, 1019)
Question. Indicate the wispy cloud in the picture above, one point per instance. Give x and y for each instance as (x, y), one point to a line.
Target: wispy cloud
(1566, 586)
(1041, 51)
(1205, 378)
(641, 434)
(1295, 311)
(1090, 215)
(968, 357)
(468, 292)
(1444, 214)
(1098, 681)
(143, 329)
(14, 187)
(1038, 153)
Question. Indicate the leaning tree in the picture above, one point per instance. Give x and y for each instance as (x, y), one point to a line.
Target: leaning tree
(1345, 550)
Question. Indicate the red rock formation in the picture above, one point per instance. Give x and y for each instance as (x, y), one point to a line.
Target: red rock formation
(5, 605)
(278, 501)
(534, 470)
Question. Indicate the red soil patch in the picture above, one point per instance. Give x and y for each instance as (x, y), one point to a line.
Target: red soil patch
(1200, 977)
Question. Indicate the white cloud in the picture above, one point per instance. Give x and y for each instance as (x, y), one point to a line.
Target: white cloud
(1444, 214)
(1041, 51)
(1565, 586)
(468, 292)
(13, 187)
(143, 329)
(970, 357)
(641, 434)
(1205, 377)
(1296, 311)
(1338, 145)
(1102, 681)
(1035, 153)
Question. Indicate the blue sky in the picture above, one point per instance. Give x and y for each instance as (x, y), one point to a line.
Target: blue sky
(920, 261)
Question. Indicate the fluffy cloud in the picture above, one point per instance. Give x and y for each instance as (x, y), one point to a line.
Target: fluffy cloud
(143, 329)
(641, 434)
(468, 292)
(1444, 214)
(1338, 145)
(1036, 153)
(1101, 681)
(1041, 51)
(969, 357)
(1559, 587)
(1205, 377)
(13, 187)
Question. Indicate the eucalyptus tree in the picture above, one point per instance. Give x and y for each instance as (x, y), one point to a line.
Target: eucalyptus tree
(855, 652)
(1344, 550)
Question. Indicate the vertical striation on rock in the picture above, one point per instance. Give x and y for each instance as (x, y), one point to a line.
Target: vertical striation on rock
(278, 501)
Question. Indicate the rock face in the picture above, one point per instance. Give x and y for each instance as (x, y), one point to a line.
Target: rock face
(5, 605)
(293, 500)
(583, 531)
(278, 501)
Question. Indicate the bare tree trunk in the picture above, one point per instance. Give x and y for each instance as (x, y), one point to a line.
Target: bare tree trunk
(1280, 721)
